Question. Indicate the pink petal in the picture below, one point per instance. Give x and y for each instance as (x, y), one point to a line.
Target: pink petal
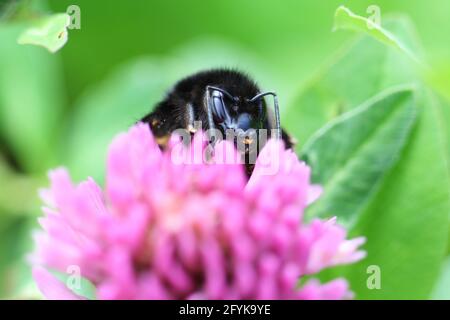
(52, 288)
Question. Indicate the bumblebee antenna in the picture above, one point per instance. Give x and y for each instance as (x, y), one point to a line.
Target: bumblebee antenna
(277, 110)
(222, 91)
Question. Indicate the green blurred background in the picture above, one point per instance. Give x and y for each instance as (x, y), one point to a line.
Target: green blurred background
(62, 109)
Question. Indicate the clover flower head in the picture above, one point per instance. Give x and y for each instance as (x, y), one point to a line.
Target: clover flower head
(165, 230)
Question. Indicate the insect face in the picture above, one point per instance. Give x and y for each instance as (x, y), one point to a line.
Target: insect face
(234, 113)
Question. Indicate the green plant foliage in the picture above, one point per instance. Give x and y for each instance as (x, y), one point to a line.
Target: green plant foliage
(357, 73)
(113, 106)
(406, 223)
(442, 289)
(49, 32)
(406, 220)
(350, 155)
(16, 242)
(345, 19)
(31, 100)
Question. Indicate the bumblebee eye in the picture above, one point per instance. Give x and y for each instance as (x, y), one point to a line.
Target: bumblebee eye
(218, 107)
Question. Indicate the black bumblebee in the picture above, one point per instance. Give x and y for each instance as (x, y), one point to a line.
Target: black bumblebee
(220, 99)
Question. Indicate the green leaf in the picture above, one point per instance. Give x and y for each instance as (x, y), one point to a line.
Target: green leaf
(16, 242)
(406, 224)
(31, 101)
(111, 107)
(345, 19)
(439, 78)
(442, 289)
(17, 192)
(406, 219)
(350, 155)
(442, 109)
(360, 71)
(49, 32)
(208, 53)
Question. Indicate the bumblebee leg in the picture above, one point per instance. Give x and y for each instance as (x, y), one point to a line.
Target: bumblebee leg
(211, 125)
(277, 116)
(277, 125)
(190, 118)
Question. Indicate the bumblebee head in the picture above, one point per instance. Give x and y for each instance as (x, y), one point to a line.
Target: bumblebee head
(238, 113)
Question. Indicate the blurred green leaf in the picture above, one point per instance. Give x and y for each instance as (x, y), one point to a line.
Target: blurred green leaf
(406, 221)
(18, 205)
(350, 155)
(86, 288)
(15, 243)
(406, 224)
(8, 8)
(208, 53)
(18, 193)
(345, 19)
(444, 121)
(31, 100)
(442, 289)
(111, 107)
(438, 77)
(443, 124)
(49, 32)
(360, 71)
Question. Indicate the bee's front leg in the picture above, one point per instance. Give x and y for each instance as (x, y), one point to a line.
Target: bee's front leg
(190, 119)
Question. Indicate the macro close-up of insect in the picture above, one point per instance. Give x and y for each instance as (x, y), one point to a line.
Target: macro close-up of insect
(178, 150)
(225, 100)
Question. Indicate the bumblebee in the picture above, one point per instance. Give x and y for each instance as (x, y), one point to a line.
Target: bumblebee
(219, 99)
